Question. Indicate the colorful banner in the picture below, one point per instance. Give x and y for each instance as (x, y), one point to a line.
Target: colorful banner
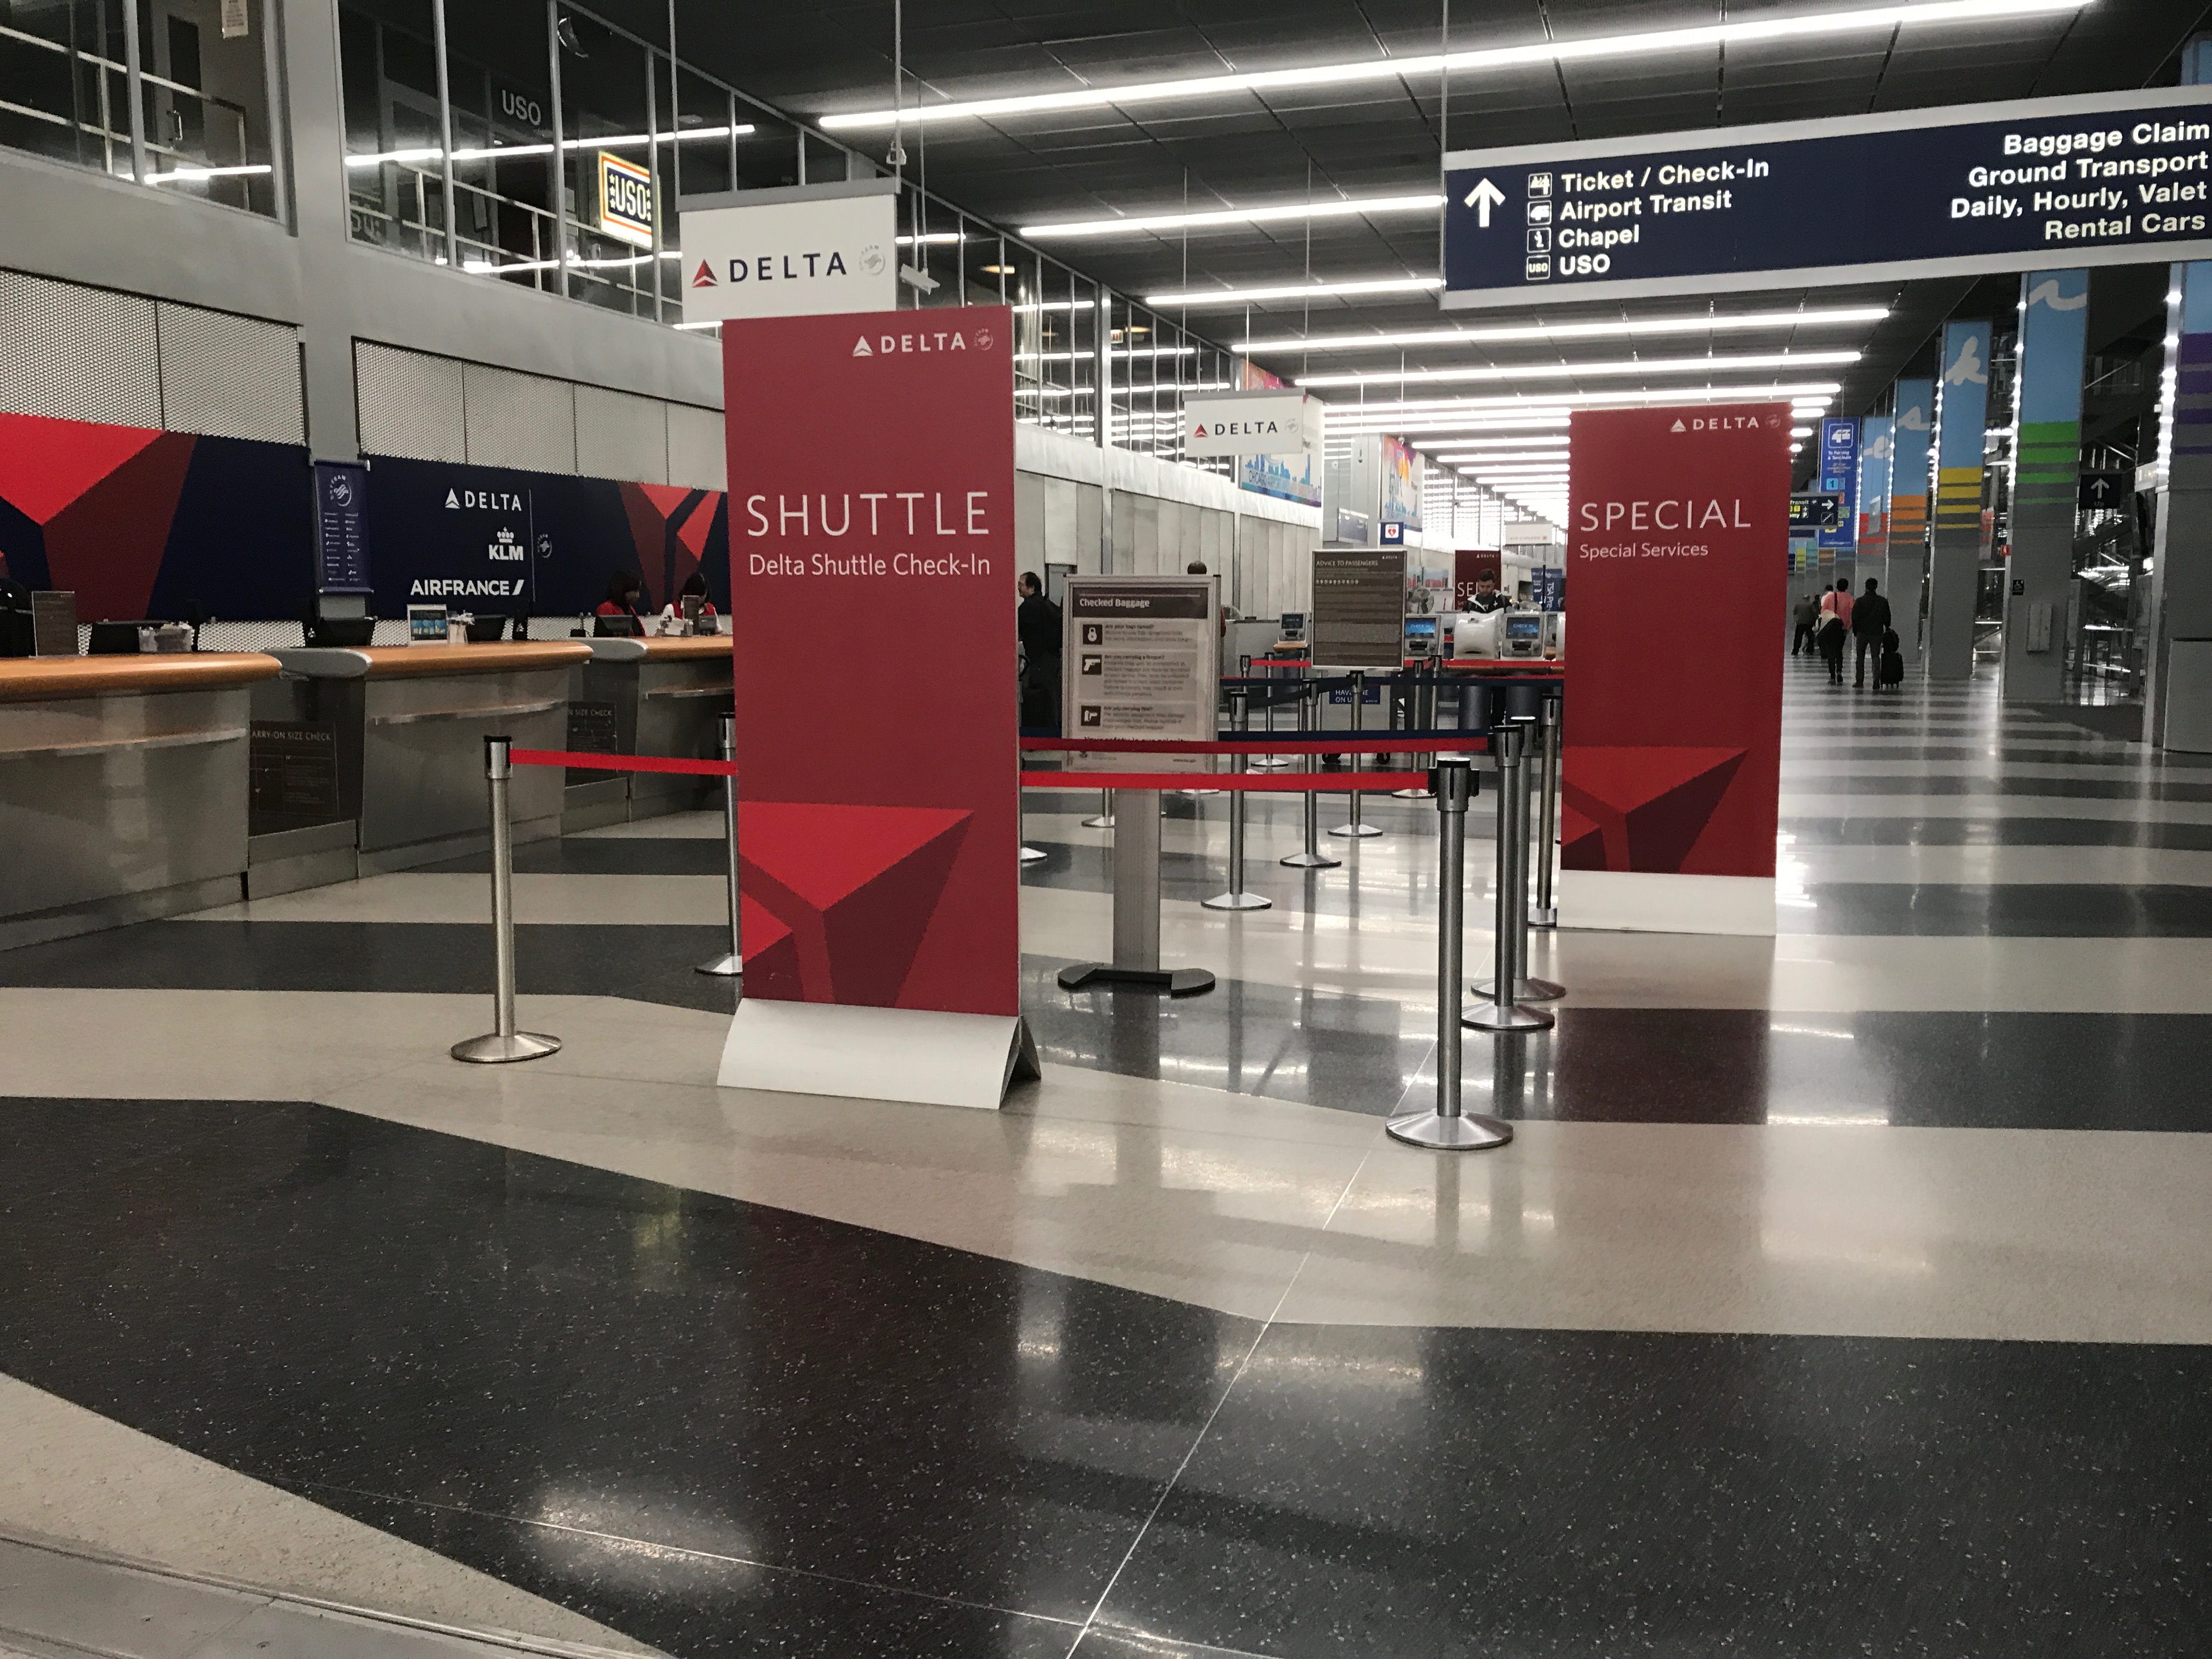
(144, 524)
(1401, 471)
(1909, 454)
(1962, 402)
(1295, 478)
(1871, 540)
(2054, 327)
(879, 816)
(1674, 716)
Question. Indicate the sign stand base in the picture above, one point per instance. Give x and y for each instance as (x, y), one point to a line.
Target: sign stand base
(918, 1054)
(1176, 981)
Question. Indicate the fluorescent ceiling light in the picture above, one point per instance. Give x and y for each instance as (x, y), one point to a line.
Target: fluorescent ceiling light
(1378, 417)
(1712, 36)
(1188, 298)
(1835, 316)
(193, 175)
(1219, 216)
(1573, 371)
(1794, 432)
(513, 152)
(1118, 351)
(930, 239)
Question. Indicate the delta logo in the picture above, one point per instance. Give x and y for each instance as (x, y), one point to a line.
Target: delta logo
(1718, 423)
(704, 277)
(893, 345)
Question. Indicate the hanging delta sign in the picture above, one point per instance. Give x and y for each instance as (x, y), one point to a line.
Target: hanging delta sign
(813, 250)
(2106, 179)
(1272, 422)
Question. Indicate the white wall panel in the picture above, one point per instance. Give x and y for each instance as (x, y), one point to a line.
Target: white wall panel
(410, 404)
(621, 436)
(229, 376)
(76, 353)
(520, 420)
(696, 456)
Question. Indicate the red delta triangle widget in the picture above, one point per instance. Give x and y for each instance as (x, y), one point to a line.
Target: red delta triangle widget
(1677, 550)
(872, 462)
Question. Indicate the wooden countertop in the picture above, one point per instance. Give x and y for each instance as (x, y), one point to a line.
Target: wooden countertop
(45, 679)
(395, 662)
(697, 648)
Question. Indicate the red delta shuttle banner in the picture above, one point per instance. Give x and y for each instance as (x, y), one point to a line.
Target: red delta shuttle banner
(1678, 532)
(871, 584)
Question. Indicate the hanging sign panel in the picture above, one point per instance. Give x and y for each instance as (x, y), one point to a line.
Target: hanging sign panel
(1251, 423)
(2105, 180)
(807, 251)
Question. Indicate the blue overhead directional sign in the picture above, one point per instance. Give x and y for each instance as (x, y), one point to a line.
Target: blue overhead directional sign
(2104, 179)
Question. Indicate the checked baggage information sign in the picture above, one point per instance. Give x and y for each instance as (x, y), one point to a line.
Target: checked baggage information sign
(2109, 179)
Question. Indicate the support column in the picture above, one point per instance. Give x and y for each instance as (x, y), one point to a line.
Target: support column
(2179, 691)
(2177, 654)
(1962, 405)
(320, 203)
(1870, 544)
(1904, 572)
(2054, 329)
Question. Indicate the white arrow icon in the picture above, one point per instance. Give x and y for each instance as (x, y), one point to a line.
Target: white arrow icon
(1484, 197)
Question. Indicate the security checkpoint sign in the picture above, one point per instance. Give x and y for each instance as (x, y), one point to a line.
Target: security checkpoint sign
(814, 249)
(2107, 179)
(1274, 423)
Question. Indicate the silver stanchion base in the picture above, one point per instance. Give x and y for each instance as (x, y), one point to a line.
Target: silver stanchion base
(1543, 915)
(729, 967)
(1489, 1016)
(1528, 990)
(1193, 795)
(1312, 861)
(1032, 855)
(1176, 981)
(1237, 901)
(1359, 829)
(493, 1050)
(1271, 762)
(1103, 821)
(1411, 794)
(1450, 1135)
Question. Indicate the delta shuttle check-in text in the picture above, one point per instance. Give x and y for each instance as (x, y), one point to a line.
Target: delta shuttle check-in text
(809, 516)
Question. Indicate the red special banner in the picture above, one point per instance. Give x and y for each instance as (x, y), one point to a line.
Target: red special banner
(871, 584)
(1678, 530)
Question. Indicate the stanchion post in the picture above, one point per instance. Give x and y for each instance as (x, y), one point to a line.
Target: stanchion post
(1354, 827)
(731, 964)
(1502, 1012)
(1421, 715)
(1240, 716)
(1525, 989)
(1311, 858)
(1271, 763)
(1447, 1128)
(1546, 912)
(1105, 818)
(503, 1043)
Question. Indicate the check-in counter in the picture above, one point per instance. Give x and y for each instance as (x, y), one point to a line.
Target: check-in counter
(406, 726)
(647, 696)
(123, 788)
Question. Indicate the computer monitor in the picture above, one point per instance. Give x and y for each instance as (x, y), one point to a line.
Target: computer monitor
(1421, 635)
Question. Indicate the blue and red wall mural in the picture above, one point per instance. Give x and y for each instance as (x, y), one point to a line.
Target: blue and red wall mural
(147, 524)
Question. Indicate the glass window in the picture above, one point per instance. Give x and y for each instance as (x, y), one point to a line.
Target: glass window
(203, 103)
(497, 70)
